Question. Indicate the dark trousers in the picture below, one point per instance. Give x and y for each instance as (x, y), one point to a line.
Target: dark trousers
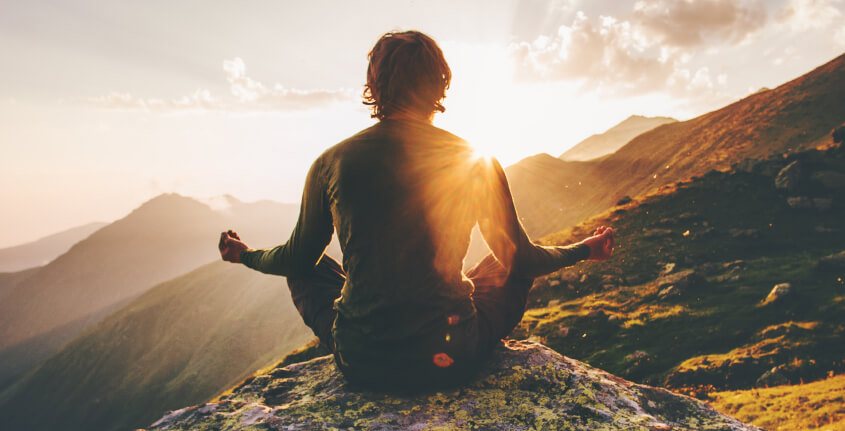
(499, 299)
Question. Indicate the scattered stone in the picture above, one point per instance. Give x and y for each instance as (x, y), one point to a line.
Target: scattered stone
(554, 283)
(613, 318)
(609, 286)
(524, 386)
(553, 302)
(669, 292)
(683, 279)
(788, 177)
(745, 233)
(822, 204)
(773, 377)
(624, 200)
(597, 315)
(687, 216)
(830, 179)
(778, 292)
(833, 262)
(636, 356)
(563, 332)
(656, 232)
(799, 202)
(668, 268)
(583, 278)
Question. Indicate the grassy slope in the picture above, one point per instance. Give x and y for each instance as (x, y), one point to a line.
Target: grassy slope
(817, 405)
(718, 335)
(180, 343)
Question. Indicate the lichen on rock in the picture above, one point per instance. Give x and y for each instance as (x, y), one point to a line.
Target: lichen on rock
(523, 386)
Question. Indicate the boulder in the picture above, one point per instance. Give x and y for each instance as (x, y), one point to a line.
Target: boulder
(683, 280)
(788, 177)
(830, 179)
(833, 262)
(773, 377)
(624, 200)
(799, 202)
(523, 386)
(778, 292)
(822, 204)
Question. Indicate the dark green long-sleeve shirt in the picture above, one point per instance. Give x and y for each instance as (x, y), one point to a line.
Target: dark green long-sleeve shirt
(404, 197)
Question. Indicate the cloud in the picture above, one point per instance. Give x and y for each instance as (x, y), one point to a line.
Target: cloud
(802, 15)
(247, 95)
(684, 23)
(614, 57)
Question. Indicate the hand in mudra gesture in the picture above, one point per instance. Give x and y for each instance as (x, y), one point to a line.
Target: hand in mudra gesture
(231, 246)
(601, 243)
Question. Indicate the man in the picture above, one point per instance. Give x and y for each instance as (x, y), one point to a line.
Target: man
(403, 196)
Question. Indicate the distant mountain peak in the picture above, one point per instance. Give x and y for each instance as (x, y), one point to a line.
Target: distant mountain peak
(612, 139)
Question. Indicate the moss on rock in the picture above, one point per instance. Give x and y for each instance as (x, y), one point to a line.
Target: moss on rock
(523, 386)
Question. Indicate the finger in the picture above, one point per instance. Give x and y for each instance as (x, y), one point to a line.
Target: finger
(222, 243)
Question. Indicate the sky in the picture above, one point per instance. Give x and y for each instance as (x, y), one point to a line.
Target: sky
(106, 104)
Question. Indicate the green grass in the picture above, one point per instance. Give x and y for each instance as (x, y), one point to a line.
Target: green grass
(724, 315)
(817, 405)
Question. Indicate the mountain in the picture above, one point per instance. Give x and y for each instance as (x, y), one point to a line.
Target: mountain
(732, 280)
(42, 251)
(181, 342)
(525, 386)
(163, 238)
(614, 138)
(797, 115)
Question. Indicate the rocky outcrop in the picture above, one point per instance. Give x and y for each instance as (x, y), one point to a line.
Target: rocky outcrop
(524, 386)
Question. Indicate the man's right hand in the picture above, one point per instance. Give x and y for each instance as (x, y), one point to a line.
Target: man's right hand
(231, 246)
(601, 243)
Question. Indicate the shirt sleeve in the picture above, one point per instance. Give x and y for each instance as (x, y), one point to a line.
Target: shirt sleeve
(309, 238)
(505, 235)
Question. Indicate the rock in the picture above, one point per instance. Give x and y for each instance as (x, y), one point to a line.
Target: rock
(524, 386)
(773, 377)
(822, 204)
(833, 262)
(563, 331)
(682, 279)
(624, 200)
(668, 268)
(745, 233)
(778, 292)
(830, 179)
(636, 356)
(799, 202)
(656, 232)
(788, 177)
(670, 292)
(553, 302)
(554, 283)
(597, 315)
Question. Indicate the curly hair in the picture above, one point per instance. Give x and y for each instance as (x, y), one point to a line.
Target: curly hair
(406, 72)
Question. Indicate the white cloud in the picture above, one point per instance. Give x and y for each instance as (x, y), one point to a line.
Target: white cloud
(685, 23)
(839, 36)
(802, 15)
(247, 95)
(614, 57)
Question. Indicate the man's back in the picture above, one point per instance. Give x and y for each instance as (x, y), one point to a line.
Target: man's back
(400, 195)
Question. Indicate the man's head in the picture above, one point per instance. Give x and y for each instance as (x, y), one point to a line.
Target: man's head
(407, 74)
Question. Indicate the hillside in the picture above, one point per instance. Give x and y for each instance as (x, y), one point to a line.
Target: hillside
(792, 117)
(181, 342)
(612, 139)
(42, 251)
(686, 302)
(165, 237)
